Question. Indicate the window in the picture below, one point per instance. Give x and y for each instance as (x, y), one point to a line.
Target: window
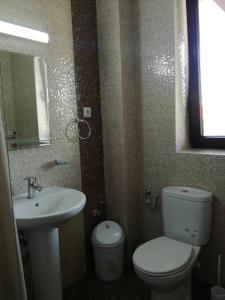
(206, 99)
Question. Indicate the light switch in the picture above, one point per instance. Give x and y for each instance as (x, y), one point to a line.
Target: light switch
(87, 112)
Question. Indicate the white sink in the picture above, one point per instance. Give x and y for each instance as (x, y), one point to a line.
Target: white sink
(51, 207)
(40, 217)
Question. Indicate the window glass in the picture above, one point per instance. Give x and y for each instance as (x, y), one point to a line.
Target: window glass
(212, 67)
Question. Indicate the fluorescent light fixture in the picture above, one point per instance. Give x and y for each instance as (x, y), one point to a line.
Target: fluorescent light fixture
(23, 32)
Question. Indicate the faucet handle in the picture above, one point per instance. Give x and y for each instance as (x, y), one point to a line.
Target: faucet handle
(30, 179)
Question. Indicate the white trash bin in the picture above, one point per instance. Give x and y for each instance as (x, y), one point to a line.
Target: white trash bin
(108, 244)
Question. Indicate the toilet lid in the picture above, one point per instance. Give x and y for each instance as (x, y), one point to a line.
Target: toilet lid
(162, 255)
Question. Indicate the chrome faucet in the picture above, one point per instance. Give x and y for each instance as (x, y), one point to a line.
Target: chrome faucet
(33, 187)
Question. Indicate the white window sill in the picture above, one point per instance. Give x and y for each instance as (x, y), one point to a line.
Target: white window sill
(209, 152)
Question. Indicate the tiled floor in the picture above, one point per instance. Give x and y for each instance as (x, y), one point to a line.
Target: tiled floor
(91, 288)
(201, 290)
(127, 288)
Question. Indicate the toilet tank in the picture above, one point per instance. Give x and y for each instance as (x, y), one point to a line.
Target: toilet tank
(187, 214)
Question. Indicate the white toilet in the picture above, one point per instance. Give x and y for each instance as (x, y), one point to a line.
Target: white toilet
(165, 263)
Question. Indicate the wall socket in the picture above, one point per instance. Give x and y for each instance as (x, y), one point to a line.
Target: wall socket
(87, 112)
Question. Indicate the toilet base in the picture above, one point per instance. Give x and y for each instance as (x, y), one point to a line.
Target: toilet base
(180, 292)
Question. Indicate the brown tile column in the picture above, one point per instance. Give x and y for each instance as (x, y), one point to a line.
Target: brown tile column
(88, 94)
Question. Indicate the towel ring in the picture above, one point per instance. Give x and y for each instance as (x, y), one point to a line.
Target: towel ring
(74, 126)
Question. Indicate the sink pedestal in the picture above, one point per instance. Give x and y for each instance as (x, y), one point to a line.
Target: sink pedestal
(45, 264)
(39, 217)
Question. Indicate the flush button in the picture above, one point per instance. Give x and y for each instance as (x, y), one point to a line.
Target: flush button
(184, 191)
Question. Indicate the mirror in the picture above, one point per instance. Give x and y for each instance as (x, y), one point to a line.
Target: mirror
(24, 100)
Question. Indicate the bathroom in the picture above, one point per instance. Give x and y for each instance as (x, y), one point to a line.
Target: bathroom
(116, 80)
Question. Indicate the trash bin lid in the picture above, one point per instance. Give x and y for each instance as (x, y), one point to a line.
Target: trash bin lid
(107, 233)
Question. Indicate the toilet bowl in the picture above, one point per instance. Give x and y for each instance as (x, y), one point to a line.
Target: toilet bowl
(165, 263)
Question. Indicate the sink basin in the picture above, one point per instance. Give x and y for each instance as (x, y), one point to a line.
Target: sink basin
(51, 207)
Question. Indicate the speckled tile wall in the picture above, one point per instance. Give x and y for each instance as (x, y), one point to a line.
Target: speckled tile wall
(159, 55)
(139, 75)
(162, 165)
(53, 17)
(88, 95)
(119, 110)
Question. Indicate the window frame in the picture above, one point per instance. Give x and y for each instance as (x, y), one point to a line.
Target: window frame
(197, 140)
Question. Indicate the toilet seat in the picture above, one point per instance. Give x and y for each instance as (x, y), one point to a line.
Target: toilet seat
(162, 256)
